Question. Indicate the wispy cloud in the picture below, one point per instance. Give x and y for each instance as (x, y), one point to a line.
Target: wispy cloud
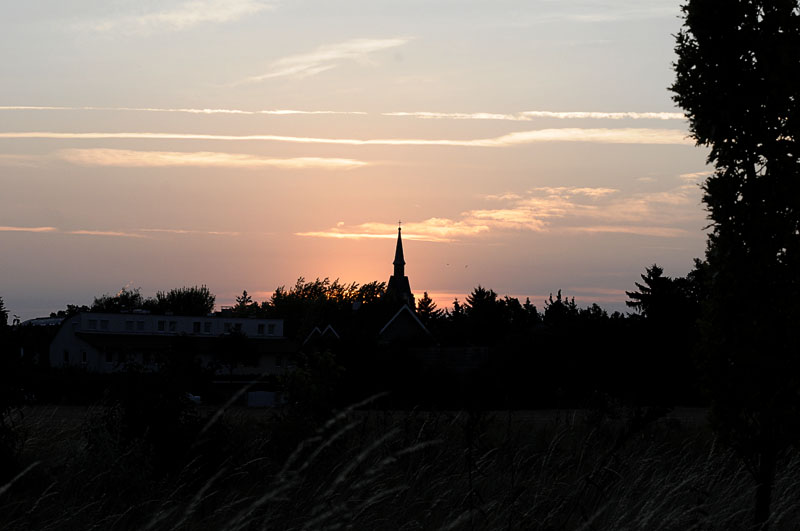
(695, 176)
(134, 233)
(547, 209)
(326, 57)
(114, 233)
(190, 231)
(601, 136)
(527, 116)
(27, 229)
(524, 116)
(276, 112)
(606, 115)
(143, 159)
(432, 229)
(182, 16)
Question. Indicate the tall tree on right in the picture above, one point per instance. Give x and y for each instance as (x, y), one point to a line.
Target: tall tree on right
(738, 80)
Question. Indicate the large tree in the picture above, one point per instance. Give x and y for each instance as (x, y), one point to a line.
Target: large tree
(738, 80)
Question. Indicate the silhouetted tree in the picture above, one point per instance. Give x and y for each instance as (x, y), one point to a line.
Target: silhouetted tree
(427, 311)
(3, 313)
(737, 79)
(245, 305)
(195, 300)
(72, 309)
(321, 302)
(125, 300)
(559, 311)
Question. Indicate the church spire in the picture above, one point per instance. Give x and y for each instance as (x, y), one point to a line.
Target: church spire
(398, 289)
(399, 261)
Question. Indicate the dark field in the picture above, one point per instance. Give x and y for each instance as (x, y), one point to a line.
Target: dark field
(390, 470)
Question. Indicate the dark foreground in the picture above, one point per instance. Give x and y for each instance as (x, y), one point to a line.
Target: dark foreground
(386, 470)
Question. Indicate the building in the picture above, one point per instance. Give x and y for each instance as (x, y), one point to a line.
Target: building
(105, 342)
(398, 290)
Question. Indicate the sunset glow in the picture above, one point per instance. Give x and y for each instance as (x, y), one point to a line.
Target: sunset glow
(526, 146)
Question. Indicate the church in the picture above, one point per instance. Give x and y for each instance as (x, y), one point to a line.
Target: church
(404, 324)
(398, 290)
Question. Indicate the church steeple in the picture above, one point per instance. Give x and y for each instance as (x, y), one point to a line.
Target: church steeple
(398, 289)
(399, 261)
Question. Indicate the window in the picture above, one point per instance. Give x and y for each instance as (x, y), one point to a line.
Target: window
(226, 327)
(238, 327)
(261, 329)
(140, 326)
(104, 324)
(92, 324)
(83, 357)
(196, 327)
(109, 357)
(271, 329)
(129, 326)
(173, 326)
(66, 356)
(162, 325)
(207, 327)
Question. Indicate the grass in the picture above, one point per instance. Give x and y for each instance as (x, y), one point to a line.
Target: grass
(392, 470)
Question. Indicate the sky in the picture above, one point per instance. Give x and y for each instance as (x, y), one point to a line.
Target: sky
(526, 146)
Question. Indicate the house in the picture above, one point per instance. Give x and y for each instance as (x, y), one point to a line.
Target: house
(106, 342)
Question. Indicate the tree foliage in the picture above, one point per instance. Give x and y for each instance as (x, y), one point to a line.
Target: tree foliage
(737, 78)
(3, 313)
(125, 300)
(195, 300)
(427, 311)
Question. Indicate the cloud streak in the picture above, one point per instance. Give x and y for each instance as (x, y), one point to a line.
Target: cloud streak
(527, 116)
(27, 229)
(190, 231)
(275, 112)
(432, 230)
(596, 135)
(326, 58)
(524, 116)
(135, 233)
(589, 210)
(146, 159)
(114, 233)
(183, 16)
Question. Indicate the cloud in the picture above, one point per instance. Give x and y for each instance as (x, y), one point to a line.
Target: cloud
(530, 115)
(277, 112)
(135, 233)
(325, 58)
(525, 116)
(114, 233)
(459, 116)
(190, 231)
(183, 16)
(27, 229)
(432, 230)
(601, 136)
(695, 176)
(660, 232)
(590, 210)
(142, 159)
(606, 115)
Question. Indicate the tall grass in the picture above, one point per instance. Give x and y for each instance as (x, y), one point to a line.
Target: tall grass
(393, 470)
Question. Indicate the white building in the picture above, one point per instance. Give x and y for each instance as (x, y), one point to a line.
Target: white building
(106, 342)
